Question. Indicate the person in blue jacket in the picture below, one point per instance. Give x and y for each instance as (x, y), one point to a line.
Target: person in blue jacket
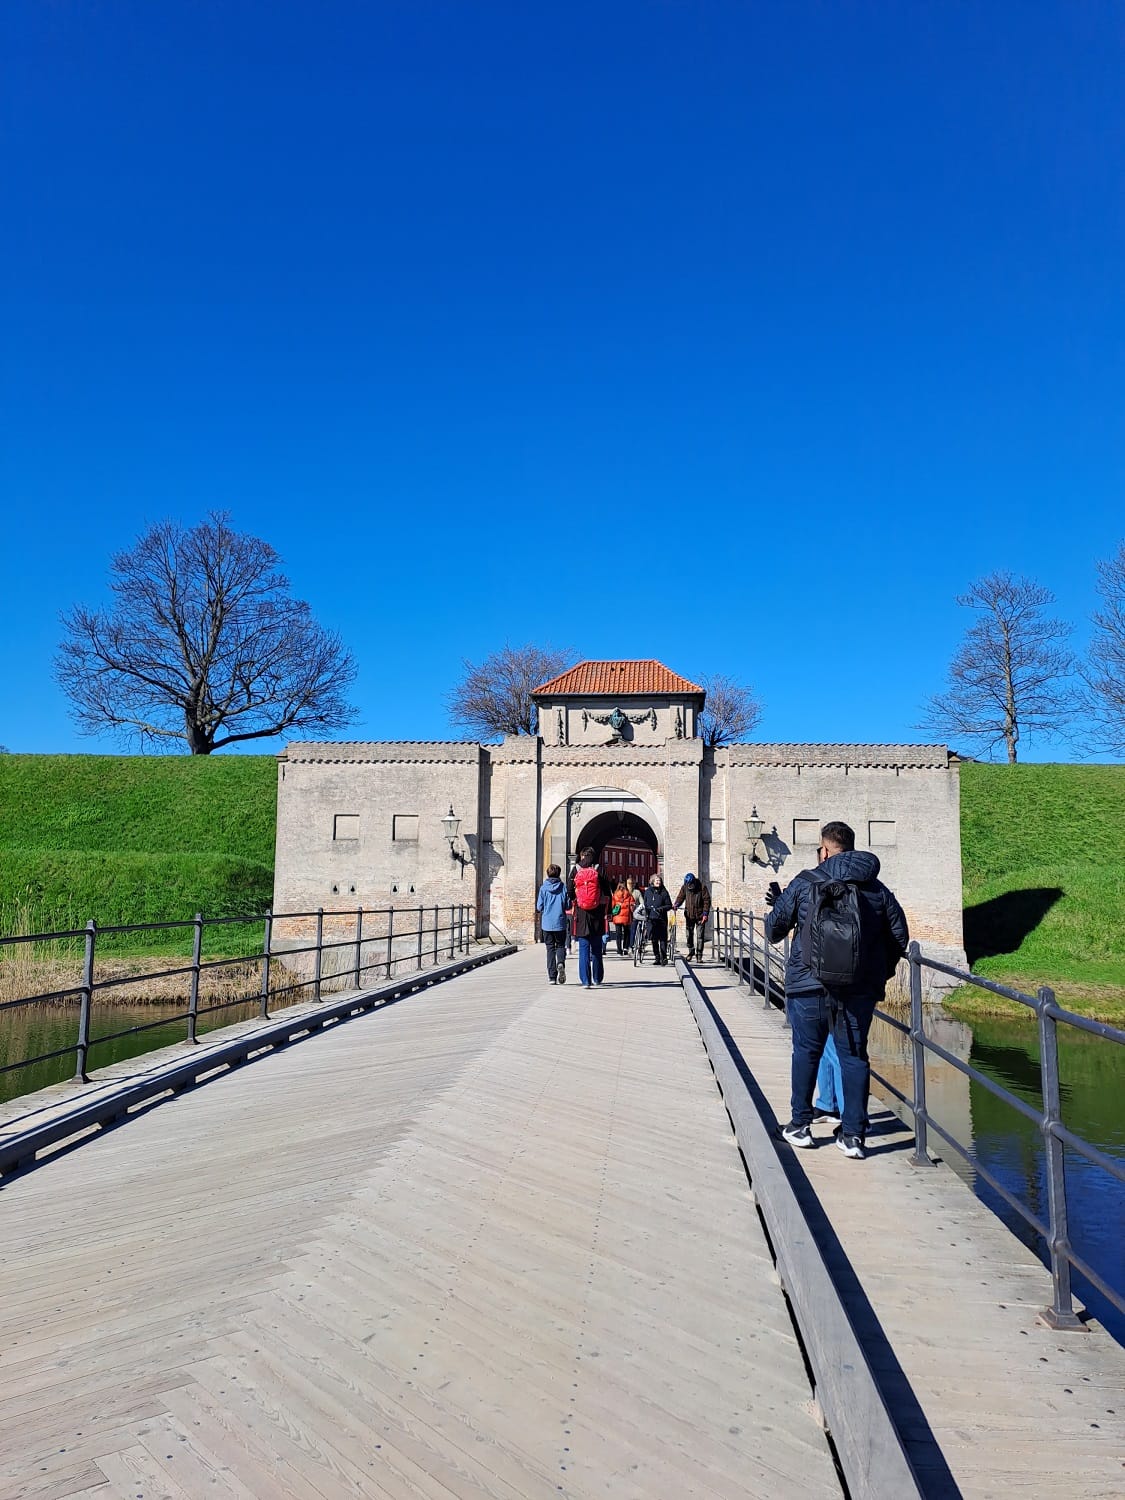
(842, 1011)
(551, 905)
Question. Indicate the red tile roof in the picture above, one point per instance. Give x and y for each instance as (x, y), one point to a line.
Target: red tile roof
(616, 679)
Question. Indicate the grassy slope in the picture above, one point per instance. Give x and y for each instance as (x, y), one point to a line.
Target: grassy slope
(134, 838)
(1045, 879)
(141, 838)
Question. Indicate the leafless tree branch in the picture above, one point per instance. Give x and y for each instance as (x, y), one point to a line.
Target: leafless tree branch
(1011, 675)
(729, 712)
(1104, 669)
(494, 696)
(203, 643)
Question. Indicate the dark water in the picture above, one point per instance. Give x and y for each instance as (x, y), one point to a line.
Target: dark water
(33, 1030)
(1092, 1082)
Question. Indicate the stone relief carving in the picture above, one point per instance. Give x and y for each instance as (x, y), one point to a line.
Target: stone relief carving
(618, 720)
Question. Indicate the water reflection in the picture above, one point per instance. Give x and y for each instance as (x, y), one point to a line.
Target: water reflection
(35, 1030)
(1011, 1147)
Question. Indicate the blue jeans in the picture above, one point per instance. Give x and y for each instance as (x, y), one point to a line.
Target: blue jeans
(590, 968)
(814, 1020)
(829, 1094)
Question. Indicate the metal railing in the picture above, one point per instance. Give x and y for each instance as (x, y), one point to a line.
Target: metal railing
(738, 939)
(346, 948)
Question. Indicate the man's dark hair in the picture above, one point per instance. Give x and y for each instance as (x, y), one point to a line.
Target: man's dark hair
(587, 858)
(839, 834)
(553, 872)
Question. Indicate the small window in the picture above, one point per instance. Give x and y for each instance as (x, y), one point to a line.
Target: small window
(806, 830)
(345, 826)
(405, 828)
(881, 835)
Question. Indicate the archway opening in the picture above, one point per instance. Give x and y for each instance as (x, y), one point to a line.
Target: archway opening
(624, 843)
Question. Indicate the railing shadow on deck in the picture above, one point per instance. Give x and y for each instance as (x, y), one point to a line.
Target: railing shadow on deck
(738, 939)
(883, 1439)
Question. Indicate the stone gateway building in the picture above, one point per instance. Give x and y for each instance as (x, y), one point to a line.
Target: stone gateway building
(618, 763)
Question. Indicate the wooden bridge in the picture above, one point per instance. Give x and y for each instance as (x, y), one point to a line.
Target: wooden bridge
(498, 1239)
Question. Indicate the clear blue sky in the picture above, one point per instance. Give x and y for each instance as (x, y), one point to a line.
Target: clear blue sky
(739, 335)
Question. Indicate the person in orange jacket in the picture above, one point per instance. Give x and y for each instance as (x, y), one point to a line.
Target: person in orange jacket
(622, 916)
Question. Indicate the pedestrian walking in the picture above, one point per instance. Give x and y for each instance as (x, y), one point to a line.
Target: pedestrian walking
(551, 904)
(638, 896)
(658, 904)
(589, 892)
(621, 916)
(695, 899)
(849, 934)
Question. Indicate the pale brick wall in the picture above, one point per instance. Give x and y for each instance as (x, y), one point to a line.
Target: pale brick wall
(337, 805)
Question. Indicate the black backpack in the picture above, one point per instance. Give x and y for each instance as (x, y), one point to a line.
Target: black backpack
(833, 935)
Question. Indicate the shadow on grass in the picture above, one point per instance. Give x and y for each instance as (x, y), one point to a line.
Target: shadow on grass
(1000, 925)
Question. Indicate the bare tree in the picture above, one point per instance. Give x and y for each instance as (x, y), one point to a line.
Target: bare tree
(203, 643)
(1010, 674)
(494, 696)
(1104, 671)
(729, 712)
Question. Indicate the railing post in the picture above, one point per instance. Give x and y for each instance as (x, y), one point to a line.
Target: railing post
(359, 948)
(437, 924)
(421, 923)
(86, 1004)
(390, 940)
(742, 948)
(267, 945)
(319, 957)
(767, 982)
(193, 996)
(1060, 1314)
(921, 1157)
(451, 930)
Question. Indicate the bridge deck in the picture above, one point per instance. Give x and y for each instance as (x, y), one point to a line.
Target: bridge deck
(496, 1240)
(946, 1300)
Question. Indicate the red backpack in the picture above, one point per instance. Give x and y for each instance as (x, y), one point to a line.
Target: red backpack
(587, 887)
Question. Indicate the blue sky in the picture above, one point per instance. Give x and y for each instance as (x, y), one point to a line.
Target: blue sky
(739, 335)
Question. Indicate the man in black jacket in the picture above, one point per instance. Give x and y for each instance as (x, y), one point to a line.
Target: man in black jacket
(818, 1008)
(695, 899)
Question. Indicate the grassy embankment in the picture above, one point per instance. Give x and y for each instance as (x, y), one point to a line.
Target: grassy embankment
(1044, 875)
(125, 839)
(150, 838)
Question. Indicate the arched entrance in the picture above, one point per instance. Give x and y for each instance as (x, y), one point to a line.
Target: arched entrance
(617, 825)
(624, 843)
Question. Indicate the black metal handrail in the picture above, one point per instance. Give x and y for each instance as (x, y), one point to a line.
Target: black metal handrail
(382, 940)
(735, 941)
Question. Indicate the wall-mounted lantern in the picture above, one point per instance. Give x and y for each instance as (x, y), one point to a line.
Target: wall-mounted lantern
(754, 826)
(450, 825)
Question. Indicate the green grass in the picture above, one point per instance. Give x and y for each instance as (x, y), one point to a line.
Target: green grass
(127, 839)
(1044, 881)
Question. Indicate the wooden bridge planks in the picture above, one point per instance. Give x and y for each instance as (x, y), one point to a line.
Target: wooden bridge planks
(1014, 1408)
(494, 1241)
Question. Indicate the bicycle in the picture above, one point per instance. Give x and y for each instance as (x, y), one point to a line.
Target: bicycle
(640, 941)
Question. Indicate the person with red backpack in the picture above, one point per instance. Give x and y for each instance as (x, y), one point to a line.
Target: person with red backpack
(590, 893)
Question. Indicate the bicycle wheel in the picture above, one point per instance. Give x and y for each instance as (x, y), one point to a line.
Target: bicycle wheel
(672, 944)
(639, 945)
